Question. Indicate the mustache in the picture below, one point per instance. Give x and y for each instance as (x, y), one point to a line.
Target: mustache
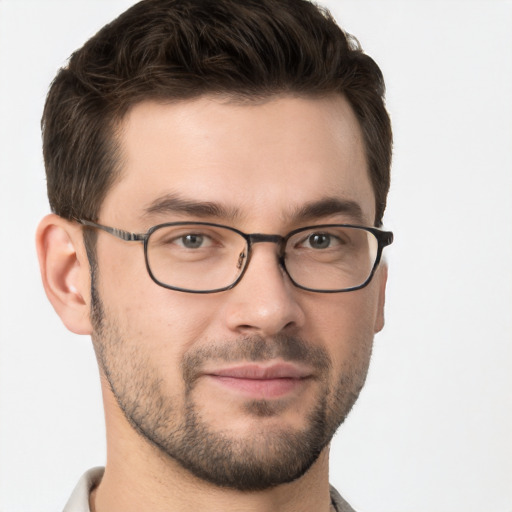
(255, 349)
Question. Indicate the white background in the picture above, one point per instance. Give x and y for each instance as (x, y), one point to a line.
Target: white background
(432, 431)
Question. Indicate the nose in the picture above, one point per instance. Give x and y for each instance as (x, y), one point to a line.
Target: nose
(265, 301)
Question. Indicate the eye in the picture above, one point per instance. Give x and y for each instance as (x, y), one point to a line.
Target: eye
(193, 241)
(320, 241)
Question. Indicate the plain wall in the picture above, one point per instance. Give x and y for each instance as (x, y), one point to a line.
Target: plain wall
(432, 431)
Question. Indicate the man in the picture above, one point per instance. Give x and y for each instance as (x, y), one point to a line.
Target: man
(217, 172)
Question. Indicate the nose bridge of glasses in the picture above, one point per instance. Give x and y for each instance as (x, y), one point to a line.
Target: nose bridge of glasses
(256, 238)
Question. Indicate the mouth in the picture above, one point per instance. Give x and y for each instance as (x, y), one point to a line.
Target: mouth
(261, 381)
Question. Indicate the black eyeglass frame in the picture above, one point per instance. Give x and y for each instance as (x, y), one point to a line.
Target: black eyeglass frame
(384, 238)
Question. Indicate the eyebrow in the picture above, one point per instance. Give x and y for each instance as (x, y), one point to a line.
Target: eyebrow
(329, 206)
(172, 203)
(313, 210)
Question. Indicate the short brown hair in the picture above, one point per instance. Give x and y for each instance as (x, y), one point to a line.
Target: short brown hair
(181, 49)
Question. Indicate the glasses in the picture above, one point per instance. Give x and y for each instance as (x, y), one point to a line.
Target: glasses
(202, 257)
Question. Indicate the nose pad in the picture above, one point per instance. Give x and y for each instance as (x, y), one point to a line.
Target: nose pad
(241, 258)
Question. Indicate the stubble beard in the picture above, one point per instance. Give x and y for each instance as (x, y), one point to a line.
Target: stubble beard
(269, 457)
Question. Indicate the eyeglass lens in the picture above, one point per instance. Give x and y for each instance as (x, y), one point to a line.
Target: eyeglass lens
(206, 258)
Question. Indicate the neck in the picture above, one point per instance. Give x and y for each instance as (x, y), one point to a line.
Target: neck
(129, 492)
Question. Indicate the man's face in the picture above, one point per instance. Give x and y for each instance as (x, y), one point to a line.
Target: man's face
(245, 387)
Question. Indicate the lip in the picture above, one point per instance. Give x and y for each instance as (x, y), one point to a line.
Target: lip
(261, 381)
(280, 370)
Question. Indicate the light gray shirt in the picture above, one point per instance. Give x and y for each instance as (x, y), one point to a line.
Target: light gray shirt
(79, 500)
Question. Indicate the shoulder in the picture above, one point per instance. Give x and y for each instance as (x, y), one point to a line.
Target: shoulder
(79, 499)
(339, 503)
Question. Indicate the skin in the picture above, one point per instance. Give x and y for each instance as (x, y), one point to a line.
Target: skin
(261, 163)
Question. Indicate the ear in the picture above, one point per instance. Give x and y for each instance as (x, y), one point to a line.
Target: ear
(65, 271)
(381, 300)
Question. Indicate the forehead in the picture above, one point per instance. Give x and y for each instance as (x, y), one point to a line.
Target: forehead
(259, 160)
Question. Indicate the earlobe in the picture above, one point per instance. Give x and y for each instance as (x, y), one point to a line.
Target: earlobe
(65, 271)
(383, 277)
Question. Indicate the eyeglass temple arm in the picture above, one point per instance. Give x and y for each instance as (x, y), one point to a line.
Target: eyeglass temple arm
(119, 233)
(387, 238)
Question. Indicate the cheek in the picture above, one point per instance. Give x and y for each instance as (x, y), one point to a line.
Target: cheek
(345, 323)
(161, 322)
